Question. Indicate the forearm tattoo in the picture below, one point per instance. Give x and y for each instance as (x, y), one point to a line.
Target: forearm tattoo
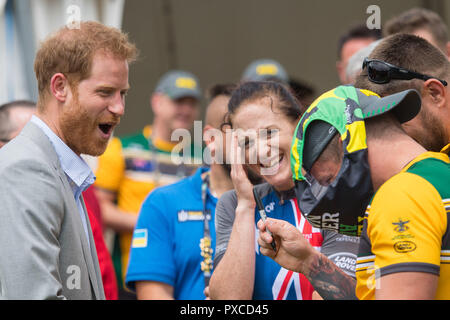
(330, 281)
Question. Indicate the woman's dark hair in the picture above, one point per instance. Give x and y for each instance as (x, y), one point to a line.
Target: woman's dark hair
(281, 98)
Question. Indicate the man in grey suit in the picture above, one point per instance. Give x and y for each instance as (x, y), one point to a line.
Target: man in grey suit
(46, 246)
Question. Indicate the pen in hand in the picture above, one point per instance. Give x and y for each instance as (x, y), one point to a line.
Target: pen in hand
(262, 213)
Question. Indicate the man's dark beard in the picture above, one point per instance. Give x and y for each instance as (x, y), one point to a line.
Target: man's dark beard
(434, 140)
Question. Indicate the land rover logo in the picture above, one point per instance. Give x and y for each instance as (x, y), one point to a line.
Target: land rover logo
(404, 246)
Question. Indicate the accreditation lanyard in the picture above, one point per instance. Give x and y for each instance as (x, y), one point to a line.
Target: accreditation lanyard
(205, 243)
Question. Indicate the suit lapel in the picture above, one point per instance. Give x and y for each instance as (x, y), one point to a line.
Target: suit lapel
(33, 132)
(73, 208)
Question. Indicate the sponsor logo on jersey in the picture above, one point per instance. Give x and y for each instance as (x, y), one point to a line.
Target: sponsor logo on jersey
(404, 246)
(270, 207)
(401, 225)
(345, 261)
(191, 215)
(345, 238)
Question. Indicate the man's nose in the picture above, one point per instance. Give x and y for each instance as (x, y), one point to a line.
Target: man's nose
(117, 106)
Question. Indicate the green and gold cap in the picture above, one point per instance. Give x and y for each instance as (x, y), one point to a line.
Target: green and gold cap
(343, 110)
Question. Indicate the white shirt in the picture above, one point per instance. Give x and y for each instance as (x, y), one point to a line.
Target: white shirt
(78, 173)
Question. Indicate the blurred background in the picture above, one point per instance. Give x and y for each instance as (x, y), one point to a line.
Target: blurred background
(214, 39)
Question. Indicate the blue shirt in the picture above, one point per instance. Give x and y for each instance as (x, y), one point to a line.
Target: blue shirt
(78, 172)
(166, 240)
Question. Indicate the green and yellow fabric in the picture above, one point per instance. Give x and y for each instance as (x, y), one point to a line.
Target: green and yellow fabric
(343, 110)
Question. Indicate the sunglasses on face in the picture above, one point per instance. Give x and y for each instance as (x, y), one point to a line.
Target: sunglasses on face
(382, 72)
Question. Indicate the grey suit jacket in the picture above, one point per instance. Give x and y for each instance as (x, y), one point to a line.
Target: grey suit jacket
(44, 252)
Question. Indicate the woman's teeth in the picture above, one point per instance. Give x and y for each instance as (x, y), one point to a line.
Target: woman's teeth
(273, 162)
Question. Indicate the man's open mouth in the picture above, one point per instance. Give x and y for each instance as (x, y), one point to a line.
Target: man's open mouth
(106, 128)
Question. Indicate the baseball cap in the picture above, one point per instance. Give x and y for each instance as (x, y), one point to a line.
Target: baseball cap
(317, 137)
(179, 84)
(264, 70)
(340, 110)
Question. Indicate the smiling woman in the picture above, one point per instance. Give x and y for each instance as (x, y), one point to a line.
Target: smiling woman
(266, 114)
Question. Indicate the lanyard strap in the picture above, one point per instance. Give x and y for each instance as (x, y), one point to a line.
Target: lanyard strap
(205, 186)
(205, 242)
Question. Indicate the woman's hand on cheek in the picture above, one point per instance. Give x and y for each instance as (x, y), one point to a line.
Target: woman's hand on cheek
(242, 185)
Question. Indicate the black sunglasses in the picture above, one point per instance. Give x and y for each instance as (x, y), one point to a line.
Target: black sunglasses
(382, 72)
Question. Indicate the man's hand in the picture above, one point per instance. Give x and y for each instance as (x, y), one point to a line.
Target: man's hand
(293, 250)
(295, 253)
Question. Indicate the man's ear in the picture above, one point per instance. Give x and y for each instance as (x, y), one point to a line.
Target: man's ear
(339, 68)
(157, 102)
(208, 137)
(59, 87)
(154, 102)
(435, 90)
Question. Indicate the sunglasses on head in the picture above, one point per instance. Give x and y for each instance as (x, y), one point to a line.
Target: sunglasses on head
(382, 72)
